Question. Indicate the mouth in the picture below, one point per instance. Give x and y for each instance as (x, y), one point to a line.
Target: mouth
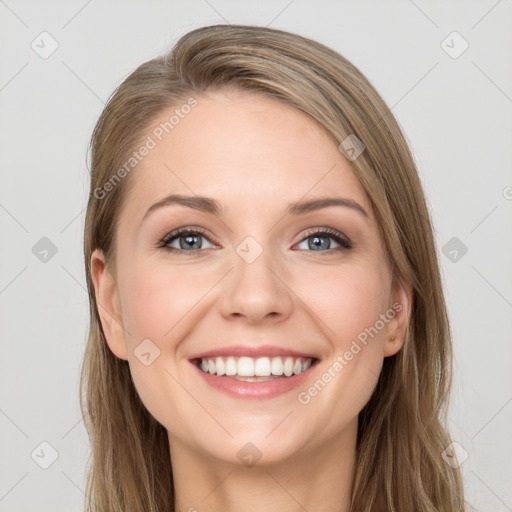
(254, 378)
(250, 369)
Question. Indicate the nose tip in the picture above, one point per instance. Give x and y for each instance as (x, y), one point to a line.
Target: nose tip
(254, 291)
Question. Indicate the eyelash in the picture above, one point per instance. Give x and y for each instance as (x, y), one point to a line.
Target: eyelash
(344, 243)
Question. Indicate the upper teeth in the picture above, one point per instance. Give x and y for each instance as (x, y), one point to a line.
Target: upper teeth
(250, 367)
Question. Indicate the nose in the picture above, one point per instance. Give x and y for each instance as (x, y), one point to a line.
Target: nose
(256, 291)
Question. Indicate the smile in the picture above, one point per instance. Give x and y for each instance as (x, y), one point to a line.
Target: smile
(251, 378)
(246, 367)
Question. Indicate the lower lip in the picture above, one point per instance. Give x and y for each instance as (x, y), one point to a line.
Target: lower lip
(255, 390)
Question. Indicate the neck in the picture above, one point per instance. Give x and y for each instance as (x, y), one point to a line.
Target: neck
(314, 479)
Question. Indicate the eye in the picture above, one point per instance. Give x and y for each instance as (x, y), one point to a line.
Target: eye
(189, 239)
(319, 240)
(186, 239)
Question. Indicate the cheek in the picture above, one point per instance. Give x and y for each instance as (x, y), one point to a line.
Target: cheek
(157, 300)
(347, 301)
(158, 305)
(349, 306)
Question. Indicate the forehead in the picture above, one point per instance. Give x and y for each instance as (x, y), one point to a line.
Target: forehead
(242, 148)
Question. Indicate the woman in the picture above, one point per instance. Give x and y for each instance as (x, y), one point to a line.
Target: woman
(268, 328)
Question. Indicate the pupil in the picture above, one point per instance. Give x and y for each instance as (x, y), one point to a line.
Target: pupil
(317, 242)
(190, 240)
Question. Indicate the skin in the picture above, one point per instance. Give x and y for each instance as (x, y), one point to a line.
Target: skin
(254, 156)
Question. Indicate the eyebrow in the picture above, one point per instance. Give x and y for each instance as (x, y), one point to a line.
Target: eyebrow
(211, 206)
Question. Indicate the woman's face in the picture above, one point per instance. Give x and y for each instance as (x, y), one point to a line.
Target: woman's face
(249, 281)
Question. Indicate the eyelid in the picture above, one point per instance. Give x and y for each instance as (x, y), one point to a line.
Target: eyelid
(328, 231)
(344, 242)
(185, 229)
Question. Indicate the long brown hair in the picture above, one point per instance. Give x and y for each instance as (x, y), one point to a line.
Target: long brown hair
(402, 434)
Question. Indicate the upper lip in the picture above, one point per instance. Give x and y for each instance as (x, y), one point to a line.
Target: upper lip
(252, 351)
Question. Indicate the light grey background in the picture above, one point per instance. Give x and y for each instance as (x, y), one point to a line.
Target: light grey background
(456, 113)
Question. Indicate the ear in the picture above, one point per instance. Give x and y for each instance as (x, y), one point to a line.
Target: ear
(108, 304)
(400, 307)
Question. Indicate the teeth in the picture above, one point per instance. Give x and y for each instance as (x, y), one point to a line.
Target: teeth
(247, 367)
(262, 367)
(288, 366)
(220, 366)
(231, 366)
(277, 366)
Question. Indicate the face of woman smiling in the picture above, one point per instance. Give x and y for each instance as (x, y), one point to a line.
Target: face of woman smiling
(252, 276)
